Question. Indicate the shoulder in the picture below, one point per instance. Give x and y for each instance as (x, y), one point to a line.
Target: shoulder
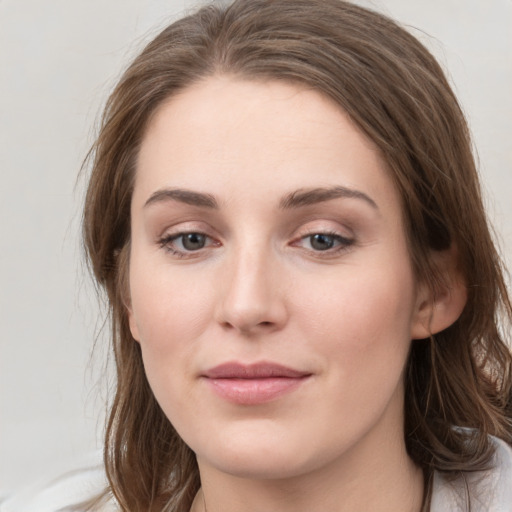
(61, 494)
(482, 491)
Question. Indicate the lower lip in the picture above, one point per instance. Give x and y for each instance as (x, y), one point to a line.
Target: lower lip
(254, 391)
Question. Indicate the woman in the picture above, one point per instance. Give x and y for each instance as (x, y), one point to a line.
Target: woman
(306, 302)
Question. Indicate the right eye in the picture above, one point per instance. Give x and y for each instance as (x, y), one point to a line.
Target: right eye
(182, 244)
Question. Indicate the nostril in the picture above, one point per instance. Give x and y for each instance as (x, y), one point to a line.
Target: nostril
(246, 328)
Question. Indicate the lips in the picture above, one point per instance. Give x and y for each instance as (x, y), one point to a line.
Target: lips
(253, 384)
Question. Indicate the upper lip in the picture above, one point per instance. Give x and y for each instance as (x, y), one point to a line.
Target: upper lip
(263, 370)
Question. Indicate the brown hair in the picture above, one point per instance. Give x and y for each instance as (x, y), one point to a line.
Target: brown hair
(397, 94)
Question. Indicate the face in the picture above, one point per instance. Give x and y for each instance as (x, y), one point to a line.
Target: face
(271, 288)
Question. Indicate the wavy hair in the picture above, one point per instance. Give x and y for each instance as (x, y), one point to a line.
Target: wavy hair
(398, 95)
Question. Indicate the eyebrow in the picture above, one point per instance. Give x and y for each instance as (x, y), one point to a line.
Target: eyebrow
(296, 199)
(306, 197)
(183, 196)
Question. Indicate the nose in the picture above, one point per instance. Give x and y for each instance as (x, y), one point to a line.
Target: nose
(253, 293)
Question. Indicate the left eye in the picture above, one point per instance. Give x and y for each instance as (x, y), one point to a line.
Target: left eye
(192, 241)
(325, 241)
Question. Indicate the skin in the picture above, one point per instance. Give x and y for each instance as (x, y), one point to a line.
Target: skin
(261, 290)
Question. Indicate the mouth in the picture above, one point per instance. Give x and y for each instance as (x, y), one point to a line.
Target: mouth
(253, 384)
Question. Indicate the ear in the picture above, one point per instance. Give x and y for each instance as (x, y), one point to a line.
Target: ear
(437, 309)
(133, 323)
(122, 257)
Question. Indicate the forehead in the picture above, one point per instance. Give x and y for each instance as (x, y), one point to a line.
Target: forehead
(223, 133)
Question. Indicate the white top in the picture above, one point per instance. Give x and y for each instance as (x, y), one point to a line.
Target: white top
(489, 491)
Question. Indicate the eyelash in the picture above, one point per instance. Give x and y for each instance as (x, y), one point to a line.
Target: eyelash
(167, 241)
(344, 243)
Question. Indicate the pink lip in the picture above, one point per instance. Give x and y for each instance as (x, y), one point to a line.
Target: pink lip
(253, 384)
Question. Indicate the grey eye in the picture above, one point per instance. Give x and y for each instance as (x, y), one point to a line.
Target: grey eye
(193, 241)
(322, 242)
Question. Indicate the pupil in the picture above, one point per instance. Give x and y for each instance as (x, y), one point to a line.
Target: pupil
(322, 242)
(193, 241)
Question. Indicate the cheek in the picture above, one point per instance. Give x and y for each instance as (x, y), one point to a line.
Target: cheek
(169, 322)
(170, 312)
(362, 322)
(167, 307)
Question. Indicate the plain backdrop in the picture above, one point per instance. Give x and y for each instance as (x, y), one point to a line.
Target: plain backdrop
(58, 61)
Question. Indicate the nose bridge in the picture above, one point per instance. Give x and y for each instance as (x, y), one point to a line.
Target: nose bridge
(252, 297)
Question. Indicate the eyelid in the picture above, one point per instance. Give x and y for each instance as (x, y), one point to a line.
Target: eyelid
(175, 236)
(324, 226)
(183, 226)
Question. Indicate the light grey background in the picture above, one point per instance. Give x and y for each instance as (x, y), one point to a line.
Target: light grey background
(58, 60)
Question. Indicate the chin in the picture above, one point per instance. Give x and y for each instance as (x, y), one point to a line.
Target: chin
(261, 467)
(267, 455)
